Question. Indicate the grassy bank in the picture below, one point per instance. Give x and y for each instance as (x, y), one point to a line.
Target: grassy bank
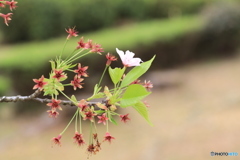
(35, 54)
(27, 59)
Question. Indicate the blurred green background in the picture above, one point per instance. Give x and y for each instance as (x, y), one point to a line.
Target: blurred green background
(196, 95)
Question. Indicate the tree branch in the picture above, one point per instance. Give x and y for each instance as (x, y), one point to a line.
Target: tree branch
(34, 97)
(20, 98)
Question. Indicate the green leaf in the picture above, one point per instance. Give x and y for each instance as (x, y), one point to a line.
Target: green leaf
(96, 93)
(52, 64)
(99, 111)
(50, 89)
(136, 72)
(58, 62)
(113, 121)
(111, 118)
(67, 66)
(141, 108)
(72, 65)
(133, 94)
(59, 86)
(96, 96)
(74, 99)
(114, 99)
(96, 89)
(107, 92)
(116, 74)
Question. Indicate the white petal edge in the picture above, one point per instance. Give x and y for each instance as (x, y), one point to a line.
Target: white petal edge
(120, 53)
(136, 62)
(129, 54)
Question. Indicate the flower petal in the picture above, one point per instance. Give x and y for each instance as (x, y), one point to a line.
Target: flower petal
(127, 59)
(129, 54)
(120, 53)
(136, 62)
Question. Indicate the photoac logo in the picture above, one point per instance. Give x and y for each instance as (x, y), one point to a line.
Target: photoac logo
(224, 153)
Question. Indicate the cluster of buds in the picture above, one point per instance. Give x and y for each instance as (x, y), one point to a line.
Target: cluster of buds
(12, 5)
(79, 139)
(54, 84)
(95, 145)
(147, 84)
(94, 47)
(88, 112)
(127, 91)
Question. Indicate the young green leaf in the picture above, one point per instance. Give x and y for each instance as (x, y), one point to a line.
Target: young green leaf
(96, 93)
(111, 118)
(99, 111)
(96, 96)
(116, 74)
(114, 99)
(49, 88)
(113, 121)
(52, 64)
(107, 92)
(59, 86)
(133, 94)
(136, 72)
(141, 108)
(74, 99)
(96, 89)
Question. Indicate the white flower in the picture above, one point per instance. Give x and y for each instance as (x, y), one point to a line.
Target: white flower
(127, 59)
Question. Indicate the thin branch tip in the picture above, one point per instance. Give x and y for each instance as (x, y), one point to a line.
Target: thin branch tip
(34, 97)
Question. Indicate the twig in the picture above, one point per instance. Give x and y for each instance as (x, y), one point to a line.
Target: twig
(20, 98)
(34, 97)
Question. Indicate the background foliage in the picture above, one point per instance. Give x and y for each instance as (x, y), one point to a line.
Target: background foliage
(178, 32)
(42, 19)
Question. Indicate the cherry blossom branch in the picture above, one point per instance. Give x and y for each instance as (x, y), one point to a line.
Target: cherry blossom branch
(34, 97)
(19, 97)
